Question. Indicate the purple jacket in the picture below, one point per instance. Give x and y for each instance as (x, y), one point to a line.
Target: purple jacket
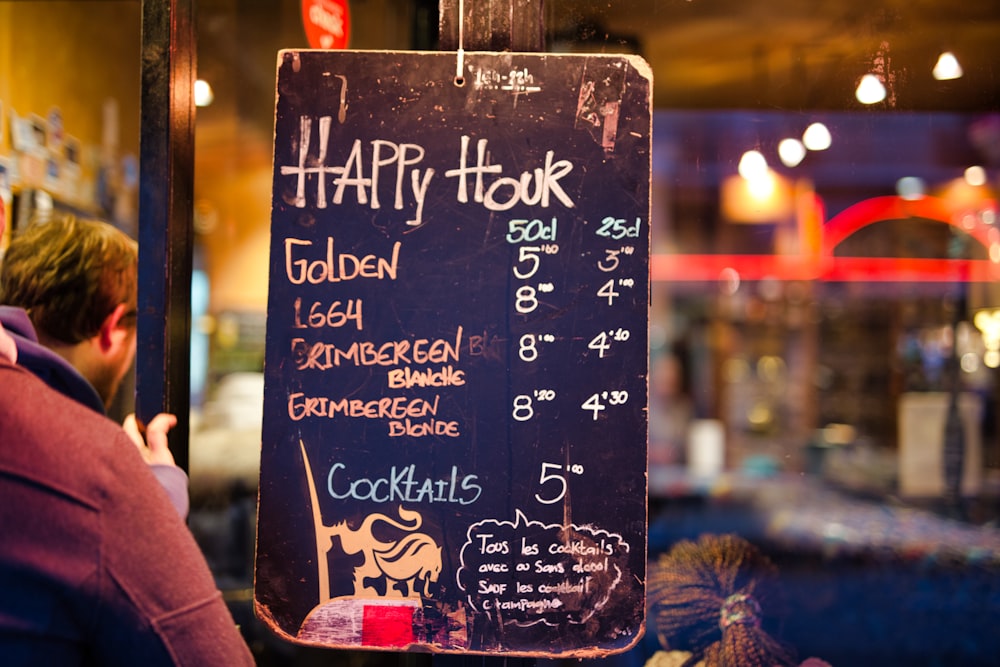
(56, 372)
(96, 568)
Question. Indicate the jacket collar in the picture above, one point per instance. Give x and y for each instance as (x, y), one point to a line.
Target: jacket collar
(52, 369)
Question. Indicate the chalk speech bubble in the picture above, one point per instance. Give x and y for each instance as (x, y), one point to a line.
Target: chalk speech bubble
(526, 572)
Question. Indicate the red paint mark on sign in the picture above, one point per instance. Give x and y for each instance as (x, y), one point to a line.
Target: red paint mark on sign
(386, 625)
(327, 23)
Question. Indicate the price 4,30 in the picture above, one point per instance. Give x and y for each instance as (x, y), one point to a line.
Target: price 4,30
(599, 402)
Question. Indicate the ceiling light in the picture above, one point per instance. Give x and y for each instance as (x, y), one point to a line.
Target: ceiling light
(975, 176)
(791, 152)
(203, 95)
(870, 90)
(752, 165)
(817, 137)
(911, 188)
(763, 186)
(947, 67)
(766, 198)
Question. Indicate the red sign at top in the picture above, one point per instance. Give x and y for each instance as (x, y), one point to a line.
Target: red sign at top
(327, 23)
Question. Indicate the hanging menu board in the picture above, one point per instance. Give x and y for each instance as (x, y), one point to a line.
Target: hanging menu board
(454, 439)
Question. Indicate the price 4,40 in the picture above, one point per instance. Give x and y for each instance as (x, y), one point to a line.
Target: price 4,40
(599, 402)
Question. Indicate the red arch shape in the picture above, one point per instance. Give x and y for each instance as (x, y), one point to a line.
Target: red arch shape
(879, 209)
(825, 266)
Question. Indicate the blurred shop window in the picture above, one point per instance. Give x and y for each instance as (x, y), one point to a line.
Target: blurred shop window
(225, 442)
(794, 358)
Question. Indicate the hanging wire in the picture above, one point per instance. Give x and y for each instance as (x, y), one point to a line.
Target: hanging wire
(460, 65)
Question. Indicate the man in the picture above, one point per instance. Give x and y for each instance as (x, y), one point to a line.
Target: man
(95, 565)
(69, 289)
(77, 282)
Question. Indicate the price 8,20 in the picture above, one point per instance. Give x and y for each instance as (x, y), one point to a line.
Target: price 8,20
(524, 404)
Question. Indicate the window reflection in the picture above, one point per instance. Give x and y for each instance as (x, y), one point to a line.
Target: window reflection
(812, 326)
(825, 332)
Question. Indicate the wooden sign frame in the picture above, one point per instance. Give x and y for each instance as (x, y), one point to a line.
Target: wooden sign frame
(454, 440)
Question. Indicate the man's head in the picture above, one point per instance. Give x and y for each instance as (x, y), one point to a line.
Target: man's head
(77, 279)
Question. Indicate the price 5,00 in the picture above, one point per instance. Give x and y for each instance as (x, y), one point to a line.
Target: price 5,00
(555, 474)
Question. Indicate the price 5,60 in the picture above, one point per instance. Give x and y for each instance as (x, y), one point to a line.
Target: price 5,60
(529, 259)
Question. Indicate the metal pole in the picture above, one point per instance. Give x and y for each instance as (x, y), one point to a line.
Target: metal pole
(166, 186)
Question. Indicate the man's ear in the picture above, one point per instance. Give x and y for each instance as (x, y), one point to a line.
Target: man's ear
(111, 329)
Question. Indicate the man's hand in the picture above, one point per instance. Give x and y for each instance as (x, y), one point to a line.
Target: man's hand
(8, 349)
(154, 447)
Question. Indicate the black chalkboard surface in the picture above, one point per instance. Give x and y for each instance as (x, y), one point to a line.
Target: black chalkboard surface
(454, 440)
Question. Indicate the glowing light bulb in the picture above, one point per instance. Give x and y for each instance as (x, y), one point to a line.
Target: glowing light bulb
(947, 67)
(752, 165)
(203, 95)
(791, 152)
(975, 176)
(910, 188)
(817, 137)
(870, 90)
(762, 186)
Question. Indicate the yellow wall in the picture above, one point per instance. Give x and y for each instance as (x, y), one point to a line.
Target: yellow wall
(234, 143)
(75, 56)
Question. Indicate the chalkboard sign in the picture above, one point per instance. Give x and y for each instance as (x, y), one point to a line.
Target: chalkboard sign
(454, 439)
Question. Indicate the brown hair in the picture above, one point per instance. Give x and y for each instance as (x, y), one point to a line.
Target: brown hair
(69, 274)
(709, 597)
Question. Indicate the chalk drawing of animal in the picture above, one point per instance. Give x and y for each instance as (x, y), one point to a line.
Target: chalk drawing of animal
(400, 568)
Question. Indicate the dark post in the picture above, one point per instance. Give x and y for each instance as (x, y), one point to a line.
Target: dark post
(166, 185)
(492, 25)
(953, 451)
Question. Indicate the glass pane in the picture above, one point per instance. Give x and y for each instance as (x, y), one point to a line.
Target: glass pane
(69, 119)
(825, 320)
(813, 323)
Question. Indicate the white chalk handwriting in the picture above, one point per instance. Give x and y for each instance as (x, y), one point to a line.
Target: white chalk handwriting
(364, 169)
